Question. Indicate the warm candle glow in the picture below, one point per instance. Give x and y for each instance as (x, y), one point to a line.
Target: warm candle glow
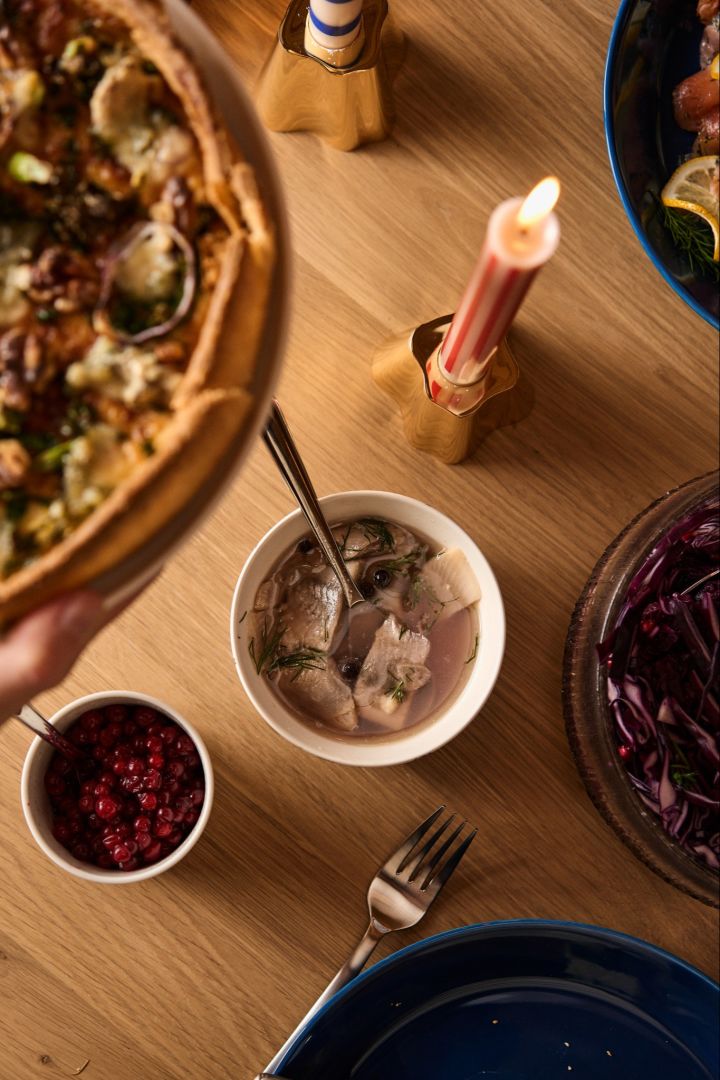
(539, 203)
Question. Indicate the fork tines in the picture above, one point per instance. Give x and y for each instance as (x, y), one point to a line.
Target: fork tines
(420, 861)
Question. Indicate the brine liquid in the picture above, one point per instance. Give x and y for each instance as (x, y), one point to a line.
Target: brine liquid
(384, 666)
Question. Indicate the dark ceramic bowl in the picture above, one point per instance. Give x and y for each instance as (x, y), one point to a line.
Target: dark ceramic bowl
(521, 1000)
(654, 45)
(588, 719)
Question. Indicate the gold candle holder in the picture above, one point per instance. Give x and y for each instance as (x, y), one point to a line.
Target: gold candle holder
(452, 427)
(342, 95)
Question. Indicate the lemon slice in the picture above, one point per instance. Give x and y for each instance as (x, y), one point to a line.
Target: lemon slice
(715, 67)
(694, 186)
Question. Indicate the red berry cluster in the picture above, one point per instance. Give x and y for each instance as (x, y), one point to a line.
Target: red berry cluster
(136, 795)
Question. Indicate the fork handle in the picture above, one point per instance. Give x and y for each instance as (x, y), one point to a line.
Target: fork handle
(352, 967)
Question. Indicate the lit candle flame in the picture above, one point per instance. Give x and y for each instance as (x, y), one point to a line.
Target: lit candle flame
(539, 203)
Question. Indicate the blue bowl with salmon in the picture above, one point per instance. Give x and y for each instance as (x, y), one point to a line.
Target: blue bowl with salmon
(662, 109)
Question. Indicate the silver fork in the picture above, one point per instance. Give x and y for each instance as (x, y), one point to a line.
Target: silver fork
(399, 895)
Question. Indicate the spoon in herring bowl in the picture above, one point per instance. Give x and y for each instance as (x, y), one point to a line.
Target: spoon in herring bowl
(287, 458)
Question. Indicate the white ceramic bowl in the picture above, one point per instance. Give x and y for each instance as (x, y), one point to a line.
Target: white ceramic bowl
(412, 742)
(36, 805)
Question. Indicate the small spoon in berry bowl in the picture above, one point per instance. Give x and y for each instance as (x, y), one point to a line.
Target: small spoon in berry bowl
(36, 722)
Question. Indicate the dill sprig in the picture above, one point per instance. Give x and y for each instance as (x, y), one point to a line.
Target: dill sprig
(375, 530)
(694, 237)
(682, 777)
(403, 563)
(419, 587)
(267, 657)
(397, 690)
(344, 540)
(300, 660)
(268, 647)
(682, 773)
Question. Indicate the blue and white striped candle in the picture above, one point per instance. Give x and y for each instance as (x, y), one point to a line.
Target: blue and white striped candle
(335, 24)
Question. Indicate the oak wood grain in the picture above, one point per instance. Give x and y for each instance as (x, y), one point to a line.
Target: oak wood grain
(203, 971)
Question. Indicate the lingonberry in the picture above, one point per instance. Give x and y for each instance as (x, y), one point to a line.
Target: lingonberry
(152, 780)
(91, 720)
(139, 794)
(116, 714)
(131, 784)
(143, 840)
(120, 853)
(144, 717)
(153, 853)
(106, 807)
(54, 784)
(110, 735)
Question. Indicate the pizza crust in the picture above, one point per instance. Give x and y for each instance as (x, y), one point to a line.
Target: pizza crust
(213, 403)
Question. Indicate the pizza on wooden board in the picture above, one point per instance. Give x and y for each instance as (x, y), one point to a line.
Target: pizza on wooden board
(135, 261)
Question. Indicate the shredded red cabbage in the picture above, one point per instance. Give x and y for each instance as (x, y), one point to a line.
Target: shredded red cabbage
(663, 662)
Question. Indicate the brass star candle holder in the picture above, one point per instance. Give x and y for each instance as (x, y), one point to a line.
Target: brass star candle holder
(439, 417)
(344, 95)
(455, 379)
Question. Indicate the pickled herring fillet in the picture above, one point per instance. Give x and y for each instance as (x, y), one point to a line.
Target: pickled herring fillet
(311, 611)
(445, 585)
(394, 667)
(320, 694)
(370, 537)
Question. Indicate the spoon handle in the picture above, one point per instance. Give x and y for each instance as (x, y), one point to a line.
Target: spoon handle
(36, 722)
(285, 454)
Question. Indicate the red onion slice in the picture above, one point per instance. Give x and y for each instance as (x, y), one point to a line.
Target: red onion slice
(128, 243)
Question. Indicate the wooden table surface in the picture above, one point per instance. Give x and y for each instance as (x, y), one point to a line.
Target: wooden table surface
(203, 971)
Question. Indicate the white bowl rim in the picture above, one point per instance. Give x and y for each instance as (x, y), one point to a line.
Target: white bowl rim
(64, 717)
(415, 742)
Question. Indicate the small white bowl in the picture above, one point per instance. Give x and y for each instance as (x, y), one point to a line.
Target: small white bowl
(412, 742)
(36, 805)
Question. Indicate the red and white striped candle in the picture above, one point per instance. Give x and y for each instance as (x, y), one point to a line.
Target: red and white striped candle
(522, 235)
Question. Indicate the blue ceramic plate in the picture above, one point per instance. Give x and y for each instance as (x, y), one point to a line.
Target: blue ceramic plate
(521, 1000)
(654, 45)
